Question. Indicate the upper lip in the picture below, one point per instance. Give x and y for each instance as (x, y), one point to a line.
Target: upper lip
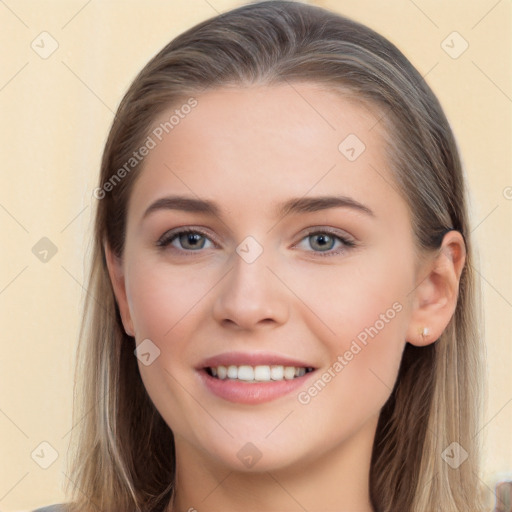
(252, 359)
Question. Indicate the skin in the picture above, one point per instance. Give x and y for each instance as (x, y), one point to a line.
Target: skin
(248, 149)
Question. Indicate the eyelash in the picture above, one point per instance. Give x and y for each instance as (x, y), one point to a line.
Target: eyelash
(170, 236)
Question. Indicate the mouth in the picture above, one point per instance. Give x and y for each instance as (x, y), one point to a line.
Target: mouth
(259, 373)
(253, 377)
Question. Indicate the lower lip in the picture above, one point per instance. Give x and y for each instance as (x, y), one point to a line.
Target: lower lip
(251, 392)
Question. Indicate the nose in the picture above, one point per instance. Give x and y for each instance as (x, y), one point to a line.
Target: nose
(251, 296)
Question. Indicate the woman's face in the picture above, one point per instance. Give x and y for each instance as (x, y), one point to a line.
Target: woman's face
(324, 284)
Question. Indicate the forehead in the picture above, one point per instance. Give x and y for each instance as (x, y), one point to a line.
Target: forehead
(282, 110)
(247, 144)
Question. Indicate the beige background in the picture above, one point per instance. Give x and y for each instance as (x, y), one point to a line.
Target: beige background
(55, 114)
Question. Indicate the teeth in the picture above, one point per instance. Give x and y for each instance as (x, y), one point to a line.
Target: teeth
(289, 372)
(245, 373)
(260, 373)
(277, 372)
(232, 372)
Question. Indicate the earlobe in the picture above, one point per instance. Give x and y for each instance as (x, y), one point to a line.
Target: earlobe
(117, 278)
(435, 298)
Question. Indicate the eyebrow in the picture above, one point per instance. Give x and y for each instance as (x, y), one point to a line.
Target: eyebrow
(295, 205)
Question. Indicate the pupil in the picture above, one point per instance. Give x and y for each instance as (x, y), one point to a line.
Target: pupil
(322, 240)
(192, 239)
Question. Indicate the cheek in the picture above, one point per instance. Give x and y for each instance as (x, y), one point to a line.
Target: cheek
(165, 301)
(362, 297)
(364, 306)
(364, 359)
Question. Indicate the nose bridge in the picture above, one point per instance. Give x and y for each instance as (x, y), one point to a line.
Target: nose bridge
(250, 293)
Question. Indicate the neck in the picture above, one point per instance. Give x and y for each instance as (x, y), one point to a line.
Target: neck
(336, 481)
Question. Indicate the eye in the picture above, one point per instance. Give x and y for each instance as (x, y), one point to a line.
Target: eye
(188, 240)
(193, 240)
(324, 241)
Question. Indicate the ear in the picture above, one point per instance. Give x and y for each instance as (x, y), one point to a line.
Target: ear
(435, 298)
(116, 273)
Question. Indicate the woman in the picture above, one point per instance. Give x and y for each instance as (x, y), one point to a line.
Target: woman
(281, 311)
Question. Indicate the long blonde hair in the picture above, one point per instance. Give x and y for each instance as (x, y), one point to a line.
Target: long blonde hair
(121, 456)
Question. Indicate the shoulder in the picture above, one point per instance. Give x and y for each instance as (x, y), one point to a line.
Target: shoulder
(60, 507)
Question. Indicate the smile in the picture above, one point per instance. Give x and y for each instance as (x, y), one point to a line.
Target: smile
(260, 373)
